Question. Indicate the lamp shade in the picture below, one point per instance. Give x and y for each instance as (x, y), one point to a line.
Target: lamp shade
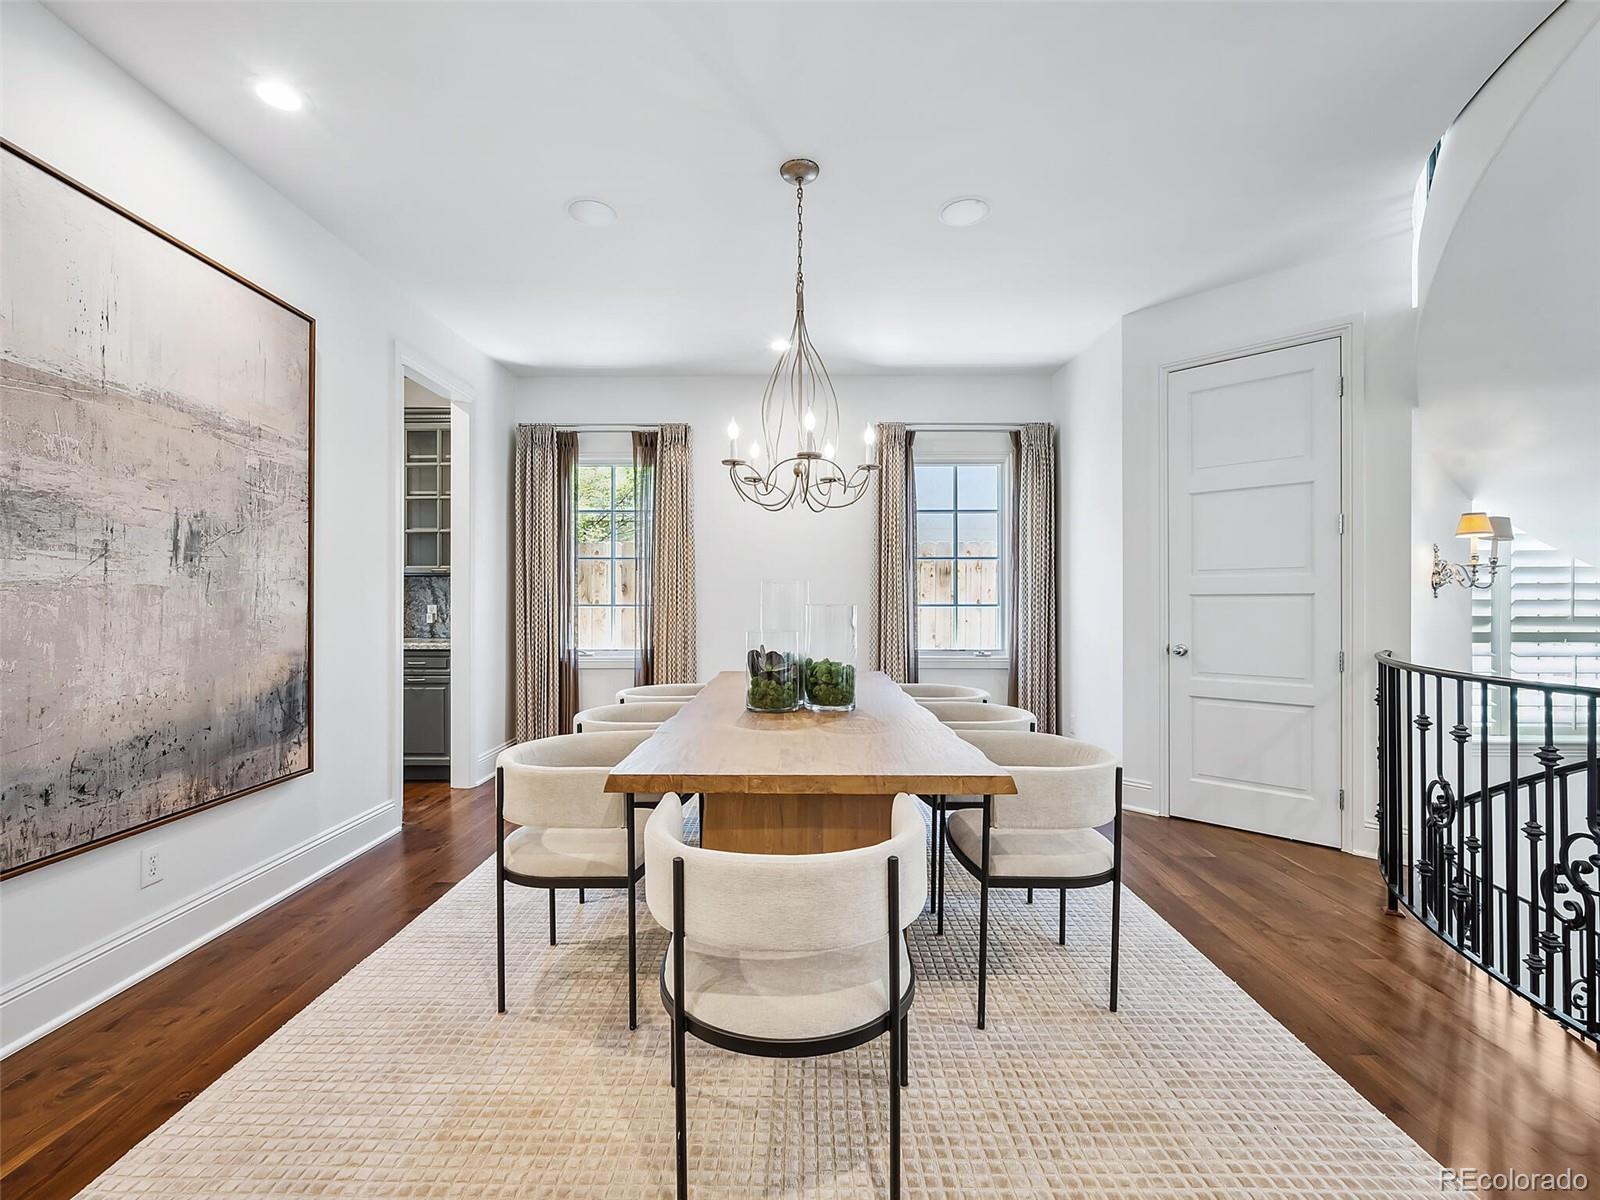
(1502, 529)
(1474, 524)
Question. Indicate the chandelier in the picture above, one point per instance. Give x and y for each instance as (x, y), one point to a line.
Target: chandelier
(798, 408)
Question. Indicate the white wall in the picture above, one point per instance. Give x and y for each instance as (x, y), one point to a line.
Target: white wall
(75, 932)
(1371, 285)
(1441, 626)
(1508, 337)
(1088, 394)
(737, 545)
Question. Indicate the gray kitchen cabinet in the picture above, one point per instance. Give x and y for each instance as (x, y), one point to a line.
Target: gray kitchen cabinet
(427, 714)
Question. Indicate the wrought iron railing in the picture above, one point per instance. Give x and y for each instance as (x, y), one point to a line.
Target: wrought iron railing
(1493, 840)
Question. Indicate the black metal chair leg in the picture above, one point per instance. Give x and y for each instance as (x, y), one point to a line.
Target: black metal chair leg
(939, 834)
(1061, 938)
(633, 920)
(896, 1026)
(500, 934)
(500, 881)
(1116, 932)
(1030, 895)
(983, 946)
(580, 895)
(905, 1051)
(678, 1064)
(983, 915)
(895, 1050)
(1116, 891)
(633, 958)
(552, 916)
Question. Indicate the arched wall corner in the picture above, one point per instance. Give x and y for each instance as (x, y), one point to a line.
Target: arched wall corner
(1483, 127)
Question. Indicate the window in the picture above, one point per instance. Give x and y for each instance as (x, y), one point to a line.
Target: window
(605, 557)
(1540, 621)
(960, 576)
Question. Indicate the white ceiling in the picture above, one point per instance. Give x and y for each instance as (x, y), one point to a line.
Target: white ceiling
(1132, 152)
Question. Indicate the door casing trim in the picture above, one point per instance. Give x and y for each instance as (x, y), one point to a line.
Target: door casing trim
(1352, 549)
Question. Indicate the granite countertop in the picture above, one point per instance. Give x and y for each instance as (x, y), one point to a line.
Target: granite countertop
(425, 644)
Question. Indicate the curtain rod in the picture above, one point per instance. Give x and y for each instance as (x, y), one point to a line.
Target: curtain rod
(964, 426)
(601, 427)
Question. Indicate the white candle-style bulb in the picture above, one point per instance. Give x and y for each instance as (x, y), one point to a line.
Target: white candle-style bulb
(870, 435)
(733, 431)
(755, 451)
(810, 420)
(827, 450)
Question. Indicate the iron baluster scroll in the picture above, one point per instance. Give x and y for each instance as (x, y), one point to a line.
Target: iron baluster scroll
(1489, 826)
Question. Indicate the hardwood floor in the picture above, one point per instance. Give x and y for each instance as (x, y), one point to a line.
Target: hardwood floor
(1473, 1074)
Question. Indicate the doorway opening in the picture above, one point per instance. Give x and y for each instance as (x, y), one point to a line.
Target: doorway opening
(432, 588)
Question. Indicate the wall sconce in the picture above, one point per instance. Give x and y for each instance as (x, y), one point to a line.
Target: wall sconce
(1474, 573)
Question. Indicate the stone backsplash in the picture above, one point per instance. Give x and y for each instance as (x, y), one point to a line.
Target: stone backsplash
(420, 592)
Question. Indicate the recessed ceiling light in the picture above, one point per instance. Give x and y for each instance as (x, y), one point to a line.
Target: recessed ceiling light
(592, 212)
(779, 345)
(968, 210)
(279, 95)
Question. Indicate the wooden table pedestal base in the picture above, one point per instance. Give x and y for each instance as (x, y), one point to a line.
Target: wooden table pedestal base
(793, 824)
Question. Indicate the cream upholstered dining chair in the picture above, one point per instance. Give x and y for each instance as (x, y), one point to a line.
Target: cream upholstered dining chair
(571, 832)
(969, 714)
(786, 955)
(923, 692)
(663, 693)
(1046, 836)
(609, 718)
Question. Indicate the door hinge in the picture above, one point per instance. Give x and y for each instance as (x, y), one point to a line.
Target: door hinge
(1341, 662)
(1341, 387)
(1341, 799)
(1341, 523)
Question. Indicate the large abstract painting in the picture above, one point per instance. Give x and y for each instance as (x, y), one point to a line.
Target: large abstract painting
(155, 525)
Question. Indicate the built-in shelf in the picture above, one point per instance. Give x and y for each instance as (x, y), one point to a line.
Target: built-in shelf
(427, 496)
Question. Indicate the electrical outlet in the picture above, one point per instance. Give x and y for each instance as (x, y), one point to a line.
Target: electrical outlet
(433, 614)
(150, 866)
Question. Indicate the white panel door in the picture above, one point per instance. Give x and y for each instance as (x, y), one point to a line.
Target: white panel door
(1254, 623)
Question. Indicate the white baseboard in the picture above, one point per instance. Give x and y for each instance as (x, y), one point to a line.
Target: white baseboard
(1147, 804)
(55, 995)
(484, 767)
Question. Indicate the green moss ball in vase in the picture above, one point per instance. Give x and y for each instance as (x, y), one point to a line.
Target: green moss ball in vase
(830, 685)
(830, 663)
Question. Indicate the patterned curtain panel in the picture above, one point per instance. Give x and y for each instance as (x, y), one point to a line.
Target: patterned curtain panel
(1035, 664)
(894, 565)
(544, 654)
(646, 443)
(672, 609)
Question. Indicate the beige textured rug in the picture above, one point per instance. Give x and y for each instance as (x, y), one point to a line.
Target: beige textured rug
(401, 1081)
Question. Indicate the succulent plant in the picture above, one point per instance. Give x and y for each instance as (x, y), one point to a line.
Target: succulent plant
(774, 680)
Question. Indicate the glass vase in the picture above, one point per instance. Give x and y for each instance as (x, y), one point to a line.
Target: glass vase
(783, 605)
(830, 660)
(772, 671)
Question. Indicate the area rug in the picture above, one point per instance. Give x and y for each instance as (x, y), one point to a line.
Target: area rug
(401, 1081)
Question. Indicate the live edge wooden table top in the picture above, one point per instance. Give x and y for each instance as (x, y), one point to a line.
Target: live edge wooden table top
(804, 782)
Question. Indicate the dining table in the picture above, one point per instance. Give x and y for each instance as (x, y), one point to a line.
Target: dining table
(803, 782)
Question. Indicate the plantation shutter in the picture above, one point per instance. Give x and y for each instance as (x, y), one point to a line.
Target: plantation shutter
(1540, 621)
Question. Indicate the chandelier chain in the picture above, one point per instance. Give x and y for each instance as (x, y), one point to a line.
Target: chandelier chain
(800, 241)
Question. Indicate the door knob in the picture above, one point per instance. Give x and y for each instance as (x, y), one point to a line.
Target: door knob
(1179, 650)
